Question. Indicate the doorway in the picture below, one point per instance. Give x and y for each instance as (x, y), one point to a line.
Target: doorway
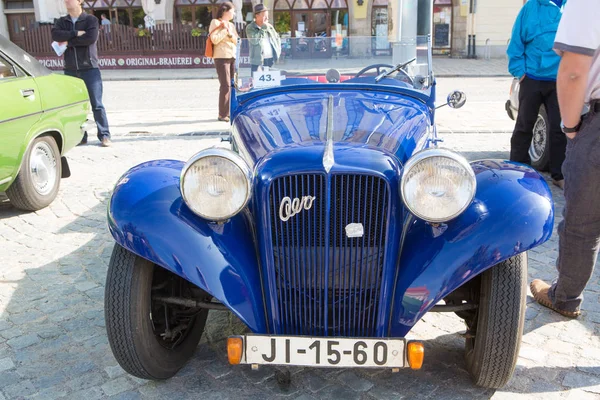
(19, 23)
(311, 31)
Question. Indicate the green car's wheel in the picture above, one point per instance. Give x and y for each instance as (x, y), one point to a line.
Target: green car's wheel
(492, 347)
(149, 339)
(38, 181)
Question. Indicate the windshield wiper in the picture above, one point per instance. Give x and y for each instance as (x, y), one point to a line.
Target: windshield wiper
(385, 74)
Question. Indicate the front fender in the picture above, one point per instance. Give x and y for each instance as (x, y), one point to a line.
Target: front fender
(148, 217)
(512, 212)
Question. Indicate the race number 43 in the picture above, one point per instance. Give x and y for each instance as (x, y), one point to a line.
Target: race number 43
(264, 79)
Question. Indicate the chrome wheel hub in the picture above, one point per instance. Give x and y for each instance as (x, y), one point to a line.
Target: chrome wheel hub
(42, 165)
(538, 142)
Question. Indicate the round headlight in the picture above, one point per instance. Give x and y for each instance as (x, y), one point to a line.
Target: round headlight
(216, 184)
(437, 185)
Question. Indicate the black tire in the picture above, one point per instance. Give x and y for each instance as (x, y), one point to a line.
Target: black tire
(497, 328)
(540, 156)
(22, 192)
(132, 326)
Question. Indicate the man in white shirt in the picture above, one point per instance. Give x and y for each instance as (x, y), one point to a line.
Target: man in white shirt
(578, 85)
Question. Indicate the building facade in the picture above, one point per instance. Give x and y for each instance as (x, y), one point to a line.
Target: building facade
(488, 22)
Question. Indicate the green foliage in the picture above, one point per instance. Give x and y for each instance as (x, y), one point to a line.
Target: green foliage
(283, 23)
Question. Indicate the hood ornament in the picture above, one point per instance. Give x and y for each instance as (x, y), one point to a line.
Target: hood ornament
(328, 160)
(290, 207)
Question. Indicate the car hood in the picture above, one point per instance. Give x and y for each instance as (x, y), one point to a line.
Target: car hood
(395, 123)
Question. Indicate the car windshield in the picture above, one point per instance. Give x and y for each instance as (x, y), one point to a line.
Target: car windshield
(308, 60)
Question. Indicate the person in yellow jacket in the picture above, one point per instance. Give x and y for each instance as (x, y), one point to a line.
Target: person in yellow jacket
(224, 37)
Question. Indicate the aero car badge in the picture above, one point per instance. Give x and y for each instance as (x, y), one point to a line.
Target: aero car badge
(290, 207)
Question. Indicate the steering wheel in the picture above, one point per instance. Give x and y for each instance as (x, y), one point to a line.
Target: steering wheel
(373, 66)
(378, 67)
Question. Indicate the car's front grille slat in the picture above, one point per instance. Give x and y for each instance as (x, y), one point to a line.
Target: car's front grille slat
(326, 282)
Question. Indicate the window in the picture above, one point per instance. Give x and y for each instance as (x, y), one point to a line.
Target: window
(18, 5)
(6, 70)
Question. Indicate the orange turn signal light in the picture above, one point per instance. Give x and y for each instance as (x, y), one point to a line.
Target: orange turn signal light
(235, 347)
(416, 352)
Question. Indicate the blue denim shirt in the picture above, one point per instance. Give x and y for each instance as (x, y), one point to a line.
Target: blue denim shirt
(530, 50)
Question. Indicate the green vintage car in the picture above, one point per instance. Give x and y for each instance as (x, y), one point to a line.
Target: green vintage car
(42, 116)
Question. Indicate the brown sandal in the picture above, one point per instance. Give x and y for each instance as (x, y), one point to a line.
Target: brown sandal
(540, 289)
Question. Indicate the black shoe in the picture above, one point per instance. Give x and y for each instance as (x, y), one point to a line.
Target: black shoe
(83, 142)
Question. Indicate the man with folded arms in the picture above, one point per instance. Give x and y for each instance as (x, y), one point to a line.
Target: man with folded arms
(80, 32)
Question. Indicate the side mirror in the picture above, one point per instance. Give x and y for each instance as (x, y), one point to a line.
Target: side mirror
(457, 99)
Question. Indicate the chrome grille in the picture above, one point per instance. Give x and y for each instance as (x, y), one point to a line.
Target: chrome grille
(328, 284)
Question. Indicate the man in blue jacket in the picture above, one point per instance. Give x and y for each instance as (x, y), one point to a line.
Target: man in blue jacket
(532, 60)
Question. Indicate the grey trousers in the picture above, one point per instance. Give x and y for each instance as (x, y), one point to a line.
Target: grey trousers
(579, 232)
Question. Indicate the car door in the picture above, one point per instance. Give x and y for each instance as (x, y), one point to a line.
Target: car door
(20, 109)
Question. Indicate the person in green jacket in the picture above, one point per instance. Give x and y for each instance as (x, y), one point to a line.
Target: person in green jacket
(265, 44)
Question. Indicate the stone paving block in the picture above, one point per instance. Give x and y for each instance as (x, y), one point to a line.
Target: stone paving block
(262, 374)
(339, 392)
(49, 378)
(114, 371)
(116, 386)
(48, 331)
(588, 383)
(19, 390)
(93, 393)
(217, 369)
(305, 397)
(283, 390)
(355, 382)
(532, 353)
(380, 392)
(49, 307)
(312, 381)
(129, 395)
(52, 393)
(27, 317)
(6, 364)
(8, 378)
(62, 315)
(85, 381)
(447, 393)
(578, 394)
(86, 285)
(4, 324)
(11, 333)
(24, 341)
(96, 294)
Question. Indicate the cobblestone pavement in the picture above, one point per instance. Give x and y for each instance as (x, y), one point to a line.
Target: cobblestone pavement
(53, 342)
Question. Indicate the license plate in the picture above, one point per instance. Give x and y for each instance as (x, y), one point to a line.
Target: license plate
(324, 352)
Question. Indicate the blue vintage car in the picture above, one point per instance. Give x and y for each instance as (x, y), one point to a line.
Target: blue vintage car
(330, 223)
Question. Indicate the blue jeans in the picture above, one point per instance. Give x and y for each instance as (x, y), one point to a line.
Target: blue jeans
(93, 82)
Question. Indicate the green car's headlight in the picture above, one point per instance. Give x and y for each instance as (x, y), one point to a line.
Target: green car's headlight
(437, 185)
(216, 184)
